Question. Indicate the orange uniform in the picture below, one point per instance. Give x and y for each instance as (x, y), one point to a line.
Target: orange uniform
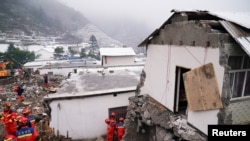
(9, 138)
(31, 119)
(111, 127)
(120, 129)
(25, 133)
(8, 118)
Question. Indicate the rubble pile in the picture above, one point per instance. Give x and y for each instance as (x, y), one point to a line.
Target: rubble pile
(147, 119)
(34, 91)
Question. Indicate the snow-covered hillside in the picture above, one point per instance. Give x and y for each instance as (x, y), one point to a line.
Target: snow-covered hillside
(103, 39)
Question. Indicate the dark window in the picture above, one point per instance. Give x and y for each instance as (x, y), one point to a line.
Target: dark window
(235, 62)
(247, 87)
(239, 76)
(120, 112)
(246, 63)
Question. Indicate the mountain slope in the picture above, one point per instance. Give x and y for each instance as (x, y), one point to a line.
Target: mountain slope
(39, 16)
(49, 18)
(103, 39)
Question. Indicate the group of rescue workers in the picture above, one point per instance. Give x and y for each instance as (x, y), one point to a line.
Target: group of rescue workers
(115, 130)
(18, 127)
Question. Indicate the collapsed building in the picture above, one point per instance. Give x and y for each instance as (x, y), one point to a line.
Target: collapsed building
(33, 94)
(195, 75)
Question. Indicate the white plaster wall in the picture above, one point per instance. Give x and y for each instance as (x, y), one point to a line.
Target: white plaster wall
(121, 60)
(160, 75)
(201, 119)
(83, 118)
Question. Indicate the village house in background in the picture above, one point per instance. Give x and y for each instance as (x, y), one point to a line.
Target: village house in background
(45, 54)
(117, 56)
(197, 66)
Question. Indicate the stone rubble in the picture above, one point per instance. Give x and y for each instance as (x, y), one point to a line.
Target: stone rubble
(33, 94)
(148, 120)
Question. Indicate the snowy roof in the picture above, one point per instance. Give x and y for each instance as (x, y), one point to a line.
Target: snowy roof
(4, 47)
(34, 47)
(42, 63)
(117, 51)
(97, 81)
(32, 64)
(51, 50)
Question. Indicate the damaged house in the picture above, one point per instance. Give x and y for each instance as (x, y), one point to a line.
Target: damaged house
(82, 103)
(197, 69)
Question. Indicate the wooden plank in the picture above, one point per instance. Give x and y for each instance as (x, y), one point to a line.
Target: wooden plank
(201, 88)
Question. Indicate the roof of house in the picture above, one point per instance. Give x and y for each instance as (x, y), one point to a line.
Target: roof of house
(43, 63)
(50, 50)
(4, 47)
(126, 51)
(99, 81)
(235, 23)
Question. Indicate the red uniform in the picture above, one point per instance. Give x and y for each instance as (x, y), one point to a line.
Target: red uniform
(31, 119)
(111, 127)
(25, 133)
(9, 138)
(8, 118)
(120, 129)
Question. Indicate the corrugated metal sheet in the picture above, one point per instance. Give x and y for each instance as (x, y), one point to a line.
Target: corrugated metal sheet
(240, 18)
(241, 38)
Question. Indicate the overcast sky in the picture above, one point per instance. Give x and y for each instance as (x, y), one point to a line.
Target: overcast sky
(153, 12)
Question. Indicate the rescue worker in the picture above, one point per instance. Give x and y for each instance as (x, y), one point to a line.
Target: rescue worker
(111, 127)
(25, 133)
(31, 119)
(8, 118)
(9, 138)
(19, 90)
(45, 77)
(120, 128)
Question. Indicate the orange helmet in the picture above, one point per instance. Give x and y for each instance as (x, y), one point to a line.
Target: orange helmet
(113, 114)
(9, 138)
(121, 119)
(18, 117)
(23, 121)
(26, 111)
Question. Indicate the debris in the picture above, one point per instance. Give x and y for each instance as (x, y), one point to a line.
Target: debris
(33, 94)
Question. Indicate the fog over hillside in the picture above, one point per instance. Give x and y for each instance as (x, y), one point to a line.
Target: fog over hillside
(45, 19)
(131, 21)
